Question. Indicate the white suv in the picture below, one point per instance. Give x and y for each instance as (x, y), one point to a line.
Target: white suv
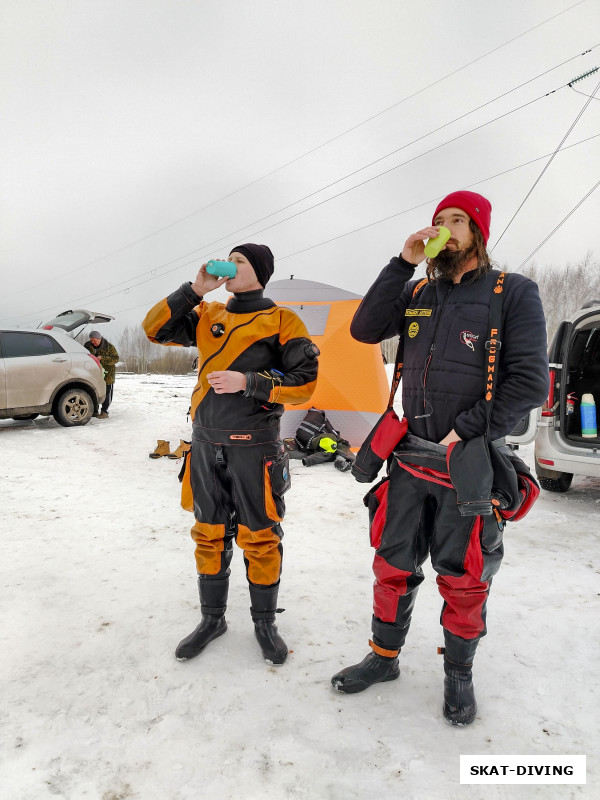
(560, 449)
(47, 372)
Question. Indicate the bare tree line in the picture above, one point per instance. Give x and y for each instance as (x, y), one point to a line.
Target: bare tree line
(138, 354)
(564, 290)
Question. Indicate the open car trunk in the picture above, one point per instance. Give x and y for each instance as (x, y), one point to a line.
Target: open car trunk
(71, 320)
(581, 368)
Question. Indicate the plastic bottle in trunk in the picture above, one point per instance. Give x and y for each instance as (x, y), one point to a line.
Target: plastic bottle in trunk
(588, 417)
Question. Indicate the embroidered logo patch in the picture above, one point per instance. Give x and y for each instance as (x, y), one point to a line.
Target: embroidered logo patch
(469, 339)
(417, 312)
(413, 329)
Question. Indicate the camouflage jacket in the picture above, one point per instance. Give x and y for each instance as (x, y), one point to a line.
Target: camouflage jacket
(108, 357)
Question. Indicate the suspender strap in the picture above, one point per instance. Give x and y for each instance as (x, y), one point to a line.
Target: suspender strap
(400, 352)
(493, 344)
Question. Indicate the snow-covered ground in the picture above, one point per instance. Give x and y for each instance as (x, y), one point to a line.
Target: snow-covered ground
(98, 586)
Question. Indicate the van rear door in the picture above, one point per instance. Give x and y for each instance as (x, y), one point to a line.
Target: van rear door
(525, 431)
(580, 373)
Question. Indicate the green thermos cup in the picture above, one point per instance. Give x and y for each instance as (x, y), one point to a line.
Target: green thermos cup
(433, 246)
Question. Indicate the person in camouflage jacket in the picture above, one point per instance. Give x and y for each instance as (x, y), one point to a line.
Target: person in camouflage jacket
(107, 354)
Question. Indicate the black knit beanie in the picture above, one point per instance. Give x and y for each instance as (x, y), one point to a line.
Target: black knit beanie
(261, 258)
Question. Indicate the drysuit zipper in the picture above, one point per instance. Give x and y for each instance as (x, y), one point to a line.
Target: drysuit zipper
(230, 334)
(430, 356)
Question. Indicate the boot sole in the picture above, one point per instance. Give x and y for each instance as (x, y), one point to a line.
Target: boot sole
(459, 723)
(197, 653)
(276, 663)
(360, 687)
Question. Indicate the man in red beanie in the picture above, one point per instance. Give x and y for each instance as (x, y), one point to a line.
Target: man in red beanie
(444, 326)
(253, 357)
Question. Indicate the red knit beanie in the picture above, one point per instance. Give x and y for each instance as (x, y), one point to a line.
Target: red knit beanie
(473, 204)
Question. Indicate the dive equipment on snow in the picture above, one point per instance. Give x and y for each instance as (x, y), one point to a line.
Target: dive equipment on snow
(318, 442)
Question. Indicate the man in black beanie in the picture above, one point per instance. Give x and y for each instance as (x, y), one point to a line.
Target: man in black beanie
(253, 356)
(261, 259)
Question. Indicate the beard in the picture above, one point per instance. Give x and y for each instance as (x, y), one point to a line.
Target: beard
(449, 263)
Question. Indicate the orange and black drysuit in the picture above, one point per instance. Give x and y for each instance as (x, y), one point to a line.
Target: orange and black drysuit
(238, 470)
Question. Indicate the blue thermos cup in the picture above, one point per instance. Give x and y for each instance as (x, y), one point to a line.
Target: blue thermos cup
(222, 269)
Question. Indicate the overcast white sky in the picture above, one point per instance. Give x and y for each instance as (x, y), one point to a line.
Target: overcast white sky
(129, 127)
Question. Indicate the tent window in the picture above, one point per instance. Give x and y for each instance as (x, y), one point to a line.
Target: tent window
(314, 317)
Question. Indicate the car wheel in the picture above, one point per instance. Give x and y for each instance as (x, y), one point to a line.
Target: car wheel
(559, 484)
(26, 416)
(73, 407)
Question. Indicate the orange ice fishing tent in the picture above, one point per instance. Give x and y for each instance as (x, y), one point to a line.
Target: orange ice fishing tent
(352, 387)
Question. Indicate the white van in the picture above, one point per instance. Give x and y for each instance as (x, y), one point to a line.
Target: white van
(560, 449)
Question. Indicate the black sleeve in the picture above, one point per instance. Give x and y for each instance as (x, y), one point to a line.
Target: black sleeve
(174, 319)
(381, 313)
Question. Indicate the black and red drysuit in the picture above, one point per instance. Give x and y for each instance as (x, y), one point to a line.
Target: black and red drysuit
(445, 328)
(238, 470)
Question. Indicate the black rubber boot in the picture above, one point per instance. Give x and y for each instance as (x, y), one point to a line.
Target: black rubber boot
(460, 706)
(263, 610)
(213, 602)
(372, 669)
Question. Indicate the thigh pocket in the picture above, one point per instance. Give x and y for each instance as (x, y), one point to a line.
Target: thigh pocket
(277, 481)
(376, 502)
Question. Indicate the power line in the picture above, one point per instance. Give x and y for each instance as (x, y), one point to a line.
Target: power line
(376, 161)
(309, 152)
(206, 245)
(290, 217)
(584, 94)
(371, 224)
(551, 159)
(572, 211)
(431, 201)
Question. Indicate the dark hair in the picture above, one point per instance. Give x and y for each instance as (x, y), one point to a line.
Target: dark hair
(484, 263)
